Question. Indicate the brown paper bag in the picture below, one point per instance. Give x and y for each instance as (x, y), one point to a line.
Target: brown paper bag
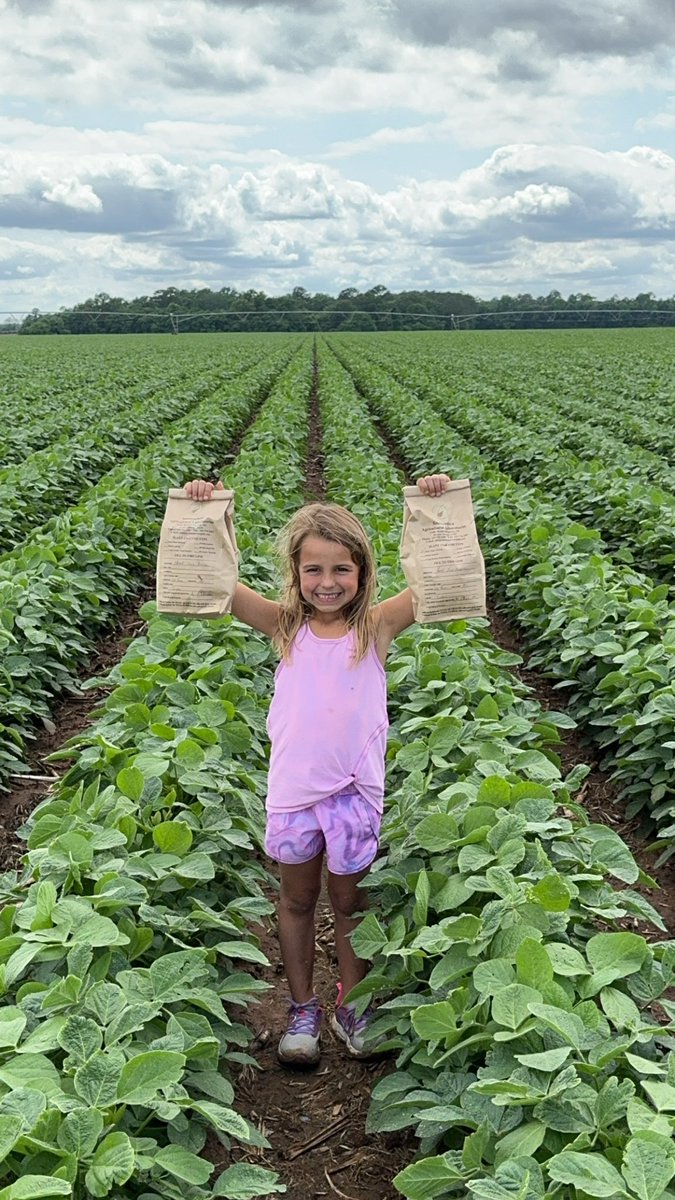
(440, 554)
(197, 556)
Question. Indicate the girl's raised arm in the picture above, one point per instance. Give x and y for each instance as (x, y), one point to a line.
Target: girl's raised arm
(247, 605)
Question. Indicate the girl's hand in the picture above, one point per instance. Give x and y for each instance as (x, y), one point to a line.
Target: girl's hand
(434, 485)
(201, 489)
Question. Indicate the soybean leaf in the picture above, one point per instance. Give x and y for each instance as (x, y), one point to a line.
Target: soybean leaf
(647, 1166)
(33, 1187)
(96, 1081)
(545, 1060)
(662, 1095)
(33, 1071)
(431, 1177)
(130, 781)
(589, 1173)
(553, 893)
(436, 832)
(566, 960)
(12, 1024)
(533, 964)
(144, 1075)
(183, 1164)
(80, 1131)
(26, 1103)
(173, 837)
(113, 1163)
(511, 1006)
(244, 1181)
(227, 1120)
(369, 937)
(526, 1139)
(491, 976)
(615, 955)
(11, 1128)
(433, 1022)
(80, 1037)
(620, 1009)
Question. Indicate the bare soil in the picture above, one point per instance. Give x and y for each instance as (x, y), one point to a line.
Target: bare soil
(315, 483)
(314, 1119)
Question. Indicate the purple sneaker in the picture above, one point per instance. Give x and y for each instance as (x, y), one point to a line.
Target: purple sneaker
(299, 1046)
(352, 1029)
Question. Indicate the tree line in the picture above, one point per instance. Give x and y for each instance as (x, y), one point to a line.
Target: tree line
(203, 310)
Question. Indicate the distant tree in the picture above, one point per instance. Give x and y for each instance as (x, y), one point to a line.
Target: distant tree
(358, 321)
(225, 309)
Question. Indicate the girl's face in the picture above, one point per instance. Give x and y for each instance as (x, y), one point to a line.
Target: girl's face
(329, 577)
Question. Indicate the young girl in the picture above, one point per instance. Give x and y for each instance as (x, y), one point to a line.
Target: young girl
(328, 729)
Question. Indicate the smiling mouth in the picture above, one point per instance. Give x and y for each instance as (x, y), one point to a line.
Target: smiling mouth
(328, 595)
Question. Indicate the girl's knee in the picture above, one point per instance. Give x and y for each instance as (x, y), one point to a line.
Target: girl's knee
(346, 896)
(300, 886)
(298, 896)
(298, 904)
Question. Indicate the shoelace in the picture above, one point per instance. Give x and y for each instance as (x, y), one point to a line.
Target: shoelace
(361, 1022)
(352, 1023)
(304, 1018)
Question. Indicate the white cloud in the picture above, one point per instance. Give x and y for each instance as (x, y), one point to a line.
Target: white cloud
(166, 143)
(431, 131)
(73, 194)
(520, 204)
(184, 141)
(624, 28)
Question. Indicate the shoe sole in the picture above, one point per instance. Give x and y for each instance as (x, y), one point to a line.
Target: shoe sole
(299, 1060)
(301, 1064)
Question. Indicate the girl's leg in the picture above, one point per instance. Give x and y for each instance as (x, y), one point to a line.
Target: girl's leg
(347, 898)
(300, 889)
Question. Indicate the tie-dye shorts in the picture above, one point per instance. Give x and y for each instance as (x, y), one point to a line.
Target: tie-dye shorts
(345, 825)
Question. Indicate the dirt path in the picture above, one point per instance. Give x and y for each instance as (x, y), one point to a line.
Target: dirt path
(315, 484)
(315, 1120)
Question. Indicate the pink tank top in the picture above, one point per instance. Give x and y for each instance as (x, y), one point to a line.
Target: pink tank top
(327, 723)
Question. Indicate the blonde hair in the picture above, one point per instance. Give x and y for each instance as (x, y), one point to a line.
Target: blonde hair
(334, 524)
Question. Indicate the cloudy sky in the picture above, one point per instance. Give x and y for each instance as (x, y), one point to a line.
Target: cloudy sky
(486, 146)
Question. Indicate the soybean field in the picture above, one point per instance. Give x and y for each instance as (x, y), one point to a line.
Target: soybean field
(522, 908)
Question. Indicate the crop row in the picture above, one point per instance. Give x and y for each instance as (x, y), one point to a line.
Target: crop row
(528, 1058)
(48, 480)
(126, 940)
(607, 492)
(469, 748)
(58, 388)
(579, 429)
(599, 628)
(60, 587)
(600, 478)
(621, 383)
